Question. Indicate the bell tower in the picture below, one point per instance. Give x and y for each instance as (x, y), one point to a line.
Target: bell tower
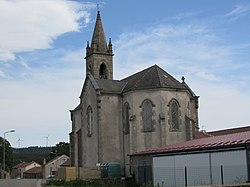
(99, 55)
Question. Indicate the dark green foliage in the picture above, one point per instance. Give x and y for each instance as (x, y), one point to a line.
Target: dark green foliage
(8, 155)
(93, 183)
(62, 148)
(36, 154)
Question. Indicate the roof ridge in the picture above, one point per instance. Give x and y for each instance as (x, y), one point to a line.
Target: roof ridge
(146, 72)
(158, 74)
(136, 73)
(208, 142)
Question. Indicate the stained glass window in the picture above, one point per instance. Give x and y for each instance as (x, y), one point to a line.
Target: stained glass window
(174, 115)
(147, 115)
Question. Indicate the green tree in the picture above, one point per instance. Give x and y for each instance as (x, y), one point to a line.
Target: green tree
(62, 148)
(8, 154)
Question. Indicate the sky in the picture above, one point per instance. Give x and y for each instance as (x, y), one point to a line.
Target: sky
(42, 65)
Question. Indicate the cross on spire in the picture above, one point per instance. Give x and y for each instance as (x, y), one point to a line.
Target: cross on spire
(97, 6)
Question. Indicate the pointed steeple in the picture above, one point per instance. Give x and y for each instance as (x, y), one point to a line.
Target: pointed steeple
(98, 43)
(99, 55)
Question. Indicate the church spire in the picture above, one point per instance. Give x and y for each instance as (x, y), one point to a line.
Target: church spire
(98, 43)
(99, 54)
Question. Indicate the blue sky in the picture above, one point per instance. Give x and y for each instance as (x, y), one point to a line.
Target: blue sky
(42, 50)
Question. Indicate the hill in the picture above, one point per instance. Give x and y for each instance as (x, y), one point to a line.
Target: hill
(37, 154)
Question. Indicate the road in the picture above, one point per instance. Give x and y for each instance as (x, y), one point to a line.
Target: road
(21, 182)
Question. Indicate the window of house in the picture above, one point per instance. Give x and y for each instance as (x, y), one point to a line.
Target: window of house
(89, 121)
(147, 115)
(174, 115)
(126, 118)
(103, 71)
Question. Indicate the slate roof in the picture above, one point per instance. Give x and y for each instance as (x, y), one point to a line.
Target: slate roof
(150, 78)
(79, 106)
(98, 37)
(110, 86)
(215, 142)
(188, 88)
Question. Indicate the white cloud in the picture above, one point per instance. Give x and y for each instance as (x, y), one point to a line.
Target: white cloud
(207, 76)
(238, 11)
(6, 54)
(40, 102)
(2, 74)
(185, 15)
(184, 48)
(30, 25)
(197, 53)
(222, 106)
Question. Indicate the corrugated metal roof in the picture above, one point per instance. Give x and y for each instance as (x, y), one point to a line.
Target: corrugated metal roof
(229, 131)
(229, 140)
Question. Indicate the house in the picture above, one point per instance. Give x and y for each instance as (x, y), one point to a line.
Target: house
(115, 118)
(50, 169)
(33, 173)
(19, 169)
(215, 160)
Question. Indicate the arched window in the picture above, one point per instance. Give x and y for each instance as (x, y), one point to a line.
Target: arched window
(103, 71)
(174, 115)
(147, 115)
(89, 121)
(126, 118)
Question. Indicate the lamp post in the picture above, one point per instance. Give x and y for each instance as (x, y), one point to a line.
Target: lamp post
(4, 147)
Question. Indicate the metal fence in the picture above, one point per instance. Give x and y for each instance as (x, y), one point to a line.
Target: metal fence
(194, 176)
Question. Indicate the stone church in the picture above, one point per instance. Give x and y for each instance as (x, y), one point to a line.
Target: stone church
(116, 118)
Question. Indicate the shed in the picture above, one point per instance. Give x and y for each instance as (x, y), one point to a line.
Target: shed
(223, 159)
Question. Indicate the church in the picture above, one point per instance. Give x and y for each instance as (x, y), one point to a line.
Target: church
(117, 118)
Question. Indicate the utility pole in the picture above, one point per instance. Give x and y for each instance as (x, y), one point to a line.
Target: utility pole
(4, 147)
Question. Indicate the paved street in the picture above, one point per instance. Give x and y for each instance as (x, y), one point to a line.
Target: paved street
(21, 182)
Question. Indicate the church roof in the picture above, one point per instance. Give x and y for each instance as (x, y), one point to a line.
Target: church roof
(98, 42)
(150, 78)
(110, 86)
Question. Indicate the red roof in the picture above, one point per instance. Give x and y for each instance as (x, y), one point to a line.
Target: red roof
(229, 140)
(55, 159)
(229, 131)
(22, 164)
(34, 170)
(201, 134)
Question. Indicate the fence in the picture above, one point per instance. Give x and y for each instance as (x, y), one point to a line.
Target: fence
(194, 176)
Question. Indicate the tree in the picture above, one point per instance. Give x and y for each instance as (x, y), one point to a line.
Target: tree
(8, 154)
(62, 148)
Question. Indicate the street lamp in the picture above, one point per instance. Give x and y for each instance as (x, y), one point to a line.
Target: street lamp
(4, 147)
